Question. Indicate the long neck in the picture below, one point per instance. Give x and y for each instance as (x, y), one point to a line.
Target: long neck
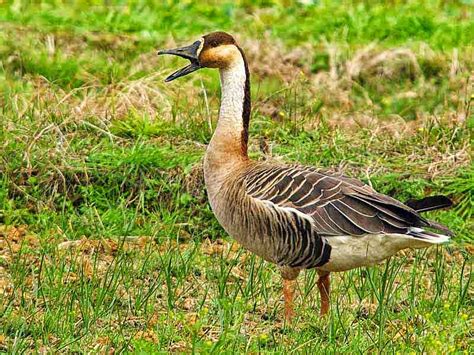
(231, 134)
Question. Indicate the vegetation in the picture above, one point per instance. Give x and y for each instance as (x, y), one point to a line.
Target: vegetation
(107, 242)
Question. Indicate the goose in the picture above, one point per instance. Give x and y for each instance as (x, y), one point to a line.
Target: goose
(297, 217)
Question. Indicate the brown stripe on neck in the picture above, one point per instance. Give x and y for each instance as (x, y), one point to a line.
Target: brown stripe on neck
(247, 106)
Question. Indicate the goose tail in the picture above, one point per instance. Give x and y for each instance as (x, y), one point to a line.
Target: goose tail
(429, 236)
(430, 203)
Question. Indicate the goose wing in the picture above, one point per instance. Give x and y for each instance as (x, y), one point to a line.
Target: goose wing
(336, 204)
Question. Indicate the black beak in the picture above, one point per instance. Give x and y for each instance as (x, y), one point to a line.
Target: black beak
(188, 52)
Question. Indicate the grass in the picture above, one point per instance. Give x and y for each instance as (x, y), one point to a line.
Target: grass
(107, 241)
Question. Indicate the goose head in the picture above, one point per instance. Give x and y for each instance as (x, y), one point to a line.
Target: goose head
(214, 50)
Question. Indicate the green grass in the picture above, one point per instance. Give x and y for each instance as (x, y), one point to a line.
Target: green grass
(107, 241)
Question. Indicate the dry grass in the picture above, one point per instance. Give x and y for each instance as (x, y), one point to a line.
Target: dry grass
(96, 106)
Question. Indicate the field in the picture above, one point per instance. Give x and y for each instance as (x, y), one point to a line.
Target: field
(107, 242)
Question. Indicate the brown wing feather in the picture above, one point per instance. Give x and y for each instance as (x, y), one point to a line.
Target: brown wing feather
(337, 204)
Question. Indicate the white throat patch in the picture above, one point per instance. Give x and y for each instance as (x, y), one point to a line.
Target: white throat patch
(233, 92)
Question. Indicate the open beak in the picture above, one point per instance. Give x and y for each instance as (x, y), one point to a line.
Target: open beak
(188, 52)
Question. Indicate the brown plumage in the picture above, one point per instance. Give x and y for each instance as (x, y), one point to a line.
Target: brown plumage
(295, 216)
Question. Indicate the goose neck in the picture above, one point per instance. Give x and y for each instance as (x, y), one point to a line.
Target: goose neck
(231, 134)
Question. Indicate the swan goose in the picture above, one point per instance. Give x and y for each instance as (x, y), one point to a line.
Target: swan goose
(295, 216)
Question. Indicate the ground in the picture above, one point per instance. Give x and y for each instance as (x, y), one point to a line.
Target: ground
(107, 242)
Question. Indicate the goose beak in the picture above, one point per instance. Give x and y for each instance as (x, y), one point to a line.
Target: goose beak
(189, 52)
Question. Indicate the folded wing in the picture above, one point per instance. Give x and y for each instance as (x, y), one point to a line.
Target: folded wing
(336, 204)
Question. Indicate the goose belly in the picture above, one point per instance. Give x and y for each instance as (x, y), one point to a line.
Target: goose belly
(236, 217)
(247, 235)
(349, 252)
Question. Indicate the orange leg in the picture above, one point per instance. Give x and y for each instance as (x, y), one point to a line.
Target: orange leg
(324, 289)
(289, 276)
(288, 293)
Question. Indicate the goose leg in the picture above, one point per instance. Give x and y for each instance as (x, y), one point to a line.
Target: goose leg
(288, 293)
(324, 291)
(289, 279)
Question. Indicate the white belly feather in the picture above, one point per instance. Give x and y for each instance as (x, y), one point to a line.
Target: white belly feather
(349, 252)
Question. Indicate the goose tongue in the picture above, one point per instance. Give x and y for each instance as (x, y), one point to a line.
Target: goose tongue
(188, 52)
